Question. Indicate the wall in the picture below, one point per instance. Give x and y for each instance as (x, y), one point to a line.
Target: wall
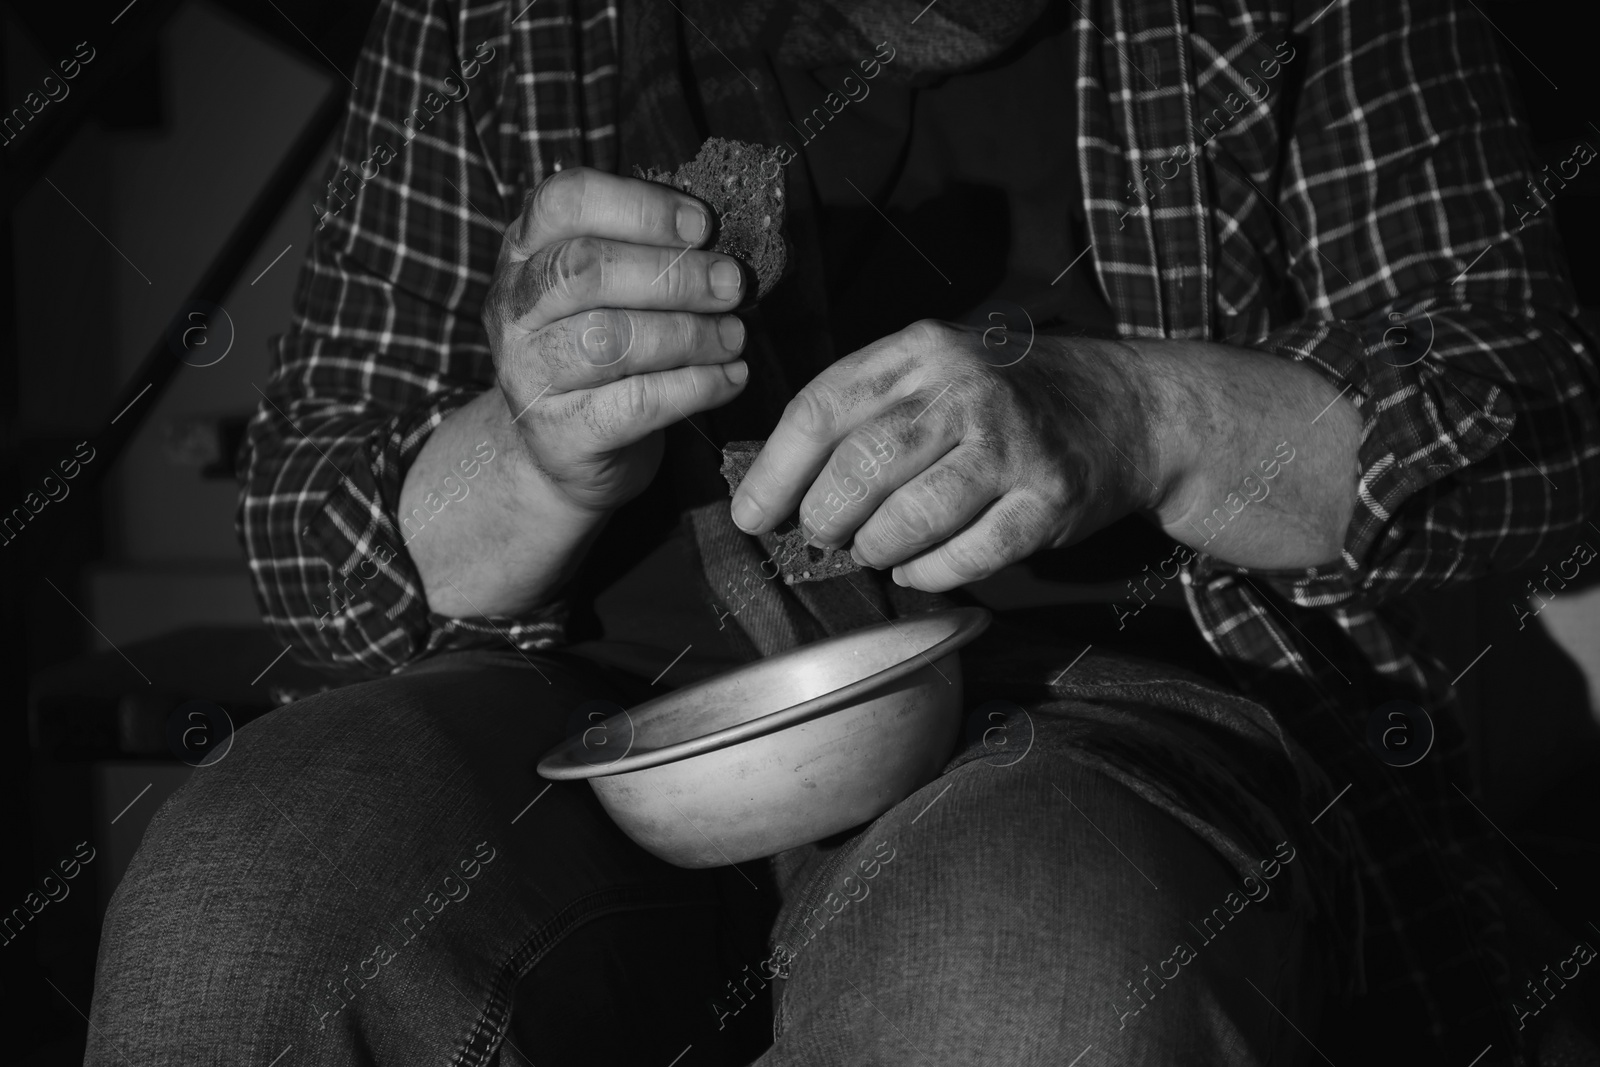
(234, 103)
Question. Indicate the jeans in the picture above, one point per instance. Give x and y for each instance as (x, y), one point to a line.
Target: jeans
(376, 875)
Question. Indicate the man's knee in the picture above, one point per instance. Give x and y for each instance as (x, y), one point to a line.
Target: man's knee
(349, 847)
(1027, 909)
(377, 765)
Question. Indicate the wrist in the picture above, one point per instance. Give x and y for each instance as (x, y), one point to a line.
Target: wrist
(536, 491)
(1166, 407)
(508, 547)
(1250, 472)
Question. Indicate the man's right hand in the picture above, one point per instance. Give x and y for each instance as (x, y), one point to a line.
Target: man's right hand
(608, 323)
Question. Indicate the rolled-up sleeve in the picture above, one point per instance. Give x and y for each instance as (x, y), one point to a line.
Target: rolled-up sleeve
(1437, 300)
(385, 343)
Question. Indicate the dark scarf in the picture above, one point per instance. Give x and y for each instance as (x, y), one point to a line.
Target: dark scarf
(680, 86)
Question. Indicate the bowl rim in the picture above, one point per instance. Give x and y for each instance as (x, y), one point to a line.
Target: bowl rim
(970, 621)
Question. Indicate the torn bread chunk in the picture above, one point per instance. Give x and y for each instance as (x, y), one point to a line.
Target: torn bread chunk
(796, 560)
(743, 183)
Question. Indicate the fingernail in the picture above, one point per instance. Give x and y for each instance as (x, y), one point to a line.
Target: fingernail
(730, 330)
(745, 513)
(737, 372)
(691, 223)
(725, 279)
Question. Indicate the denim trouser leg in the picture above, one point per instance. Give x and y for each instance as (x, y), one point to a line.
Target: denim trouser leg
(377, 876)
(362, 881)
(1028, 913)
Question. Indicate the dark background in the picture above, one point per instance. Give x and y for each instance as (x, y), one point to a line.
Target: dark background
(182, 162)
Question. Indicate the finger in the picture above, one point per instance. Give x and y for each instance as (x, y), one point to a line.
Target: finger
(585, 273)
(834, 403)
(579, 201)
(616, 415)
(589, 350)
(1012, 529)
(928, 509)
(871, 463)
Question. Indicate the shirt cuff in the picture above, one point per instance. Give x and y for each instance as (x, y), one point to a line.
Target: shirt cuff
(376, 599)
(1420, 424)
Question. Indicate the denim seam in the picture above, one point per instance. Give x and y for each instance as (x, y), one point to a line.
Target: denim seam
(495, 1016)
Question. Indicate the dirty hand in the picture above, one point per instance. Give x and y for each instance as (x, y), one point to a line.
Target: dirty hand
(607, 323)
(946, 458)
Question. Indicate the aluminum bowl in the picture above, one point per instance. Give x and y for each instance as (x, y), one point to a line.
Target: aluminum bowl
(785, 750)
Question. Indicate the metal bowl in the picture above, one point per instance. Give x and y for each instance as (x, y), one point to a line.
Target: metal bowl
(782, 751)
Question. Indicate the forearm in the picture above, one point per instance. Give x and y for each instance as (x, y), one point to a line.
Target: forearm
(511, 541)
(1257, 455)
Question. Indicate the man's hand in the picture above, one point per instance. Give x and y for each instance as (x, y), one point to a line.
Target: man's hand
(948, 464)
(607, 324)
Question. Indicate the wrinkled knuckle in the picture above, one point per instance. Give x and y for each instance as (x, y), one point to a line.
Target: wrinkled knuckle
(871, 546)
(1032, 511)
(581, 255)
(813, 412)
(557, 202)
(966, 562)
(496, 314)
(844, 485)
(926, 333)
(679, 334)
(577, 407)
(646, 215)
(1026, 521)
(542, 270)
(964, 475)
(911, 522)
(1044, 511)
(859, 457)
(676, 278)
(991, 441)
(636, 401)
(559, 268)
(671, 335)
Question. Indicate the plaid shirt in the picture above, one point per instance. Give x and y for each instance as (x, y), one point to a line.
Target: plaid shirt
(1309, 177)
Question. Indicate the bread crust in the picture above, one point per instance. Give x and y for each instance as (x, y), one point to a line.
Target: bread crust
(744, 185)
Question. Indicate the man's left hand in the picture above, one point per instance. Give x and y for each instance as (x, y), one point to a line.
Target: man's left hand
(947, 461)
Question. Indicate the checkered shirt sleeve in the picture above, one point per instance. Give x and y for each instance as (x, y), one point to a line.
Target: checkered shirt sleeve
(1436, 301)
(386, 339)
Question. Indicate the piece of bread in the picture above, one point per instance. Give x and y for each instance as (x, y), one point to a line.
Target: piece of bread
(743, 183)
(796, 560)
